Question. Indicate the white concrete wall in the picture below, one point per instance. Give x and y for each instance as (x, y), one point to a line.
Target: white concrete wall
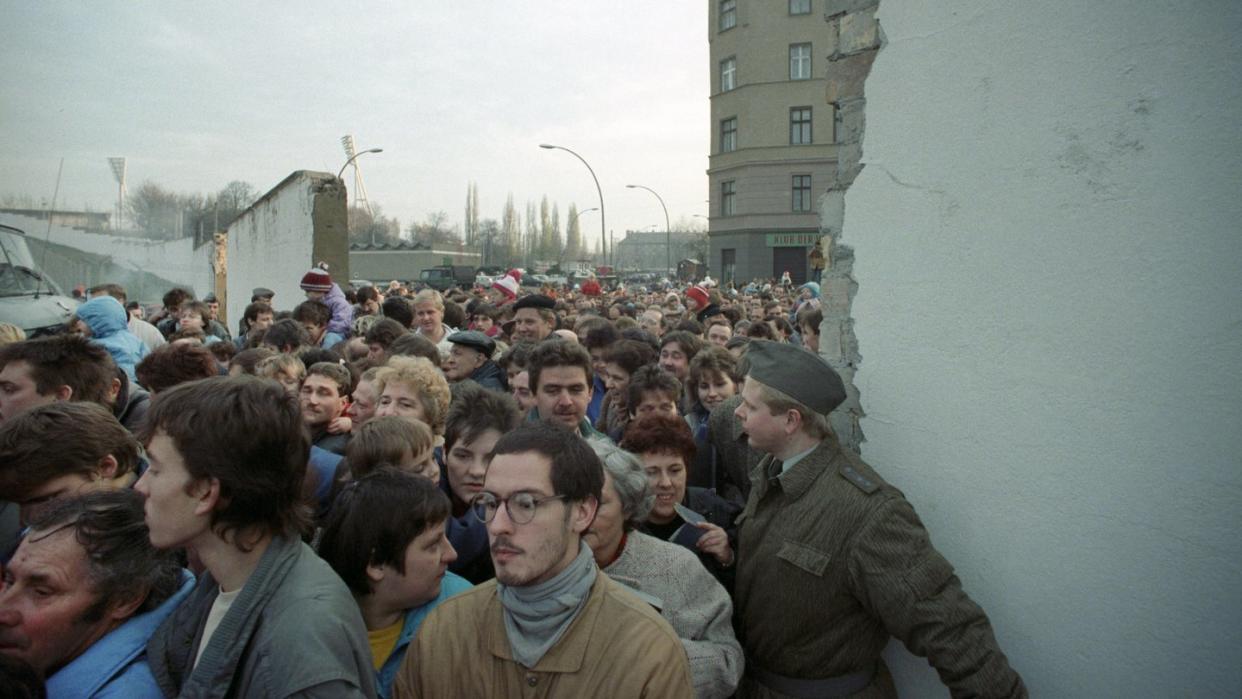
(270, 245)
(1050, 318)
(175, 260)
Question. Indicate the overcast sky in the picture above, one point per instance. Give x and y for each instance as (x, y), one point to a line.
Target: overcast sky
(195, 94)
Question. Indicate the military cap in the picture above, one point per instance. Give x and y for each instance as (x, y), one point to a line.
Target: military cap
(535, 301)
(796, 372)
(260, 292)
(475, 340)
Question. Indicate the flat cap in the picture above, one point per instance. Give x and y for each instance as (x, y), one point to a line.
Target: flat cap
(261, 292)
(535, 301)
(475, 340)
(210, 298)
(796, 372)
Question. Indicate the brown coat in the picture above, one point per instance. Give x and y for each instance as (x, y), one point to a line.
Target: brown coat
(831, 562)
(617, 647)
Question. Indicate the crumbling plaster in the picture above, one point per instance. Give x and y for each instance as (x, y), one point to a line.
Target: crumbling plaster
(1049, 301)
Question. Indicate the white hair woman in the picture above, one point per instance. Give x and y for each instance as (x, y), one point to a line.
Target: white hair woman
(671, 577)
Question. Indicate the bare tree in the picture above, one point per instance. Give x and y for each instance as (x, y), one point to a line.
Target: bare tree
(435, 230)
(511, 231)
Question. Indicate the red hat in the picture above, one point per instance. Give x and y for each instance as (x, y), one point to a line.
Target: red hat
(698, 295)
(317, 279)
(515, 273)
(507, 285)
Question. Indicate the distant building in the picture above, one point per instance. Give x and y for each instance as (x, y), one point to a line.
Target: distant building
(645, 250)
(773, 146)
(84, 220)
(404, 261)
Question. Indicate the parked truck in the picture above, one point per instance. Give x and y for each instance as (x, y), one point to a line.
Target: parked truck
(445, 277)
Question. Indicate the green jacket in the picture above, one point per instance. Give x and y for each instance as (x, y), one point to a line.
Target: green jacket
(831, 530)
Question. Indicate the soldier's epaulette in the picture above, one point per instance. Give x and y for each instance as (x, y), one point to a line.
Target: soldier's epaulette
(860, 481)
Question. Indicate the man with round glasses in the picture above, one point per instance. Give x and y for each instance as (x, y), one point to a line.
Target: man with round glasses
(550, 622)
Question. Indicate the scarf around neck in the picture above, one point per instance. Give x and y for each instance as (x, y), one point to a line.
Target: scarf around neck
(537, 616)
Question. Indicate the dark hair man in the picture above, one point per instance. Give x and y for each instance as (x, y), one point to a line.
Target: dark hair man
(549, 619)
(228, 458)
(47, 369)
(560, 379)
(823, 503)
(676, 350)
(385, 537)
(257, 318)
(323, 395)
(398, 309)
(63, 449)
(173, 298)
(380, 337)
(597, 336)
(84, 592)
(652, 391)
(314, 316)
(176, 363)
(286, 336)
(809, 320)
(534, 318)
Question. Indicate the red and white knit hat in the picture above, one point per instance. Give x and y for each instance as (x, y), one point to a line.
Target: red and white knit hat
(507, 285)
(698, 295)
(317, 279)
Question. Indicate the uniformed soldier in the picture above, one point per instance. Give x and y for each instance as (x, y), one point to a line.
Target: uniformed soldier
(832, 560)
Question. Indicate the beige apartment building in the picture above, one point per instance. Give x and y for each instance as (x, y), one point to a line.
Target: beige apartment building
(773, 151)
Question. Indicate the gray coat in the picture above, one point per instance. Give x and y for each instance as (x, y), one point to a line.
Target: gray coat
(694, 604)
(294, 631)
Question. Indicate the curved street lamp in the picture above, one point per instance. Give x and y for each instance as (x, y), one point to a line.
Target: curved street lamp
(668, 235)
(603, 235)
(355, 157)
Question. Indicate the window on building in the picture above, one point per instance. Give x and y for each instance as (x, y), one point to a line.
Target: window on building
(728, 14)
(727, 193)
(801, 193)
(800, 62)
(799, 126)
(799, 7)
(728, 135)
(728, 74)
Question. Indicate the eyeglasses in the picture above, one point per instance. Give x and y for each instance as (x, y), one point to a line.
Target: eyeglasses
(521, 506)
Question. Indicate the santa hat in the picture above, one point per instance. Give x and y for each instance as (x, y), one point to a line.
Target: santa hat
(317, 279)
(507, 285)
(698, 295)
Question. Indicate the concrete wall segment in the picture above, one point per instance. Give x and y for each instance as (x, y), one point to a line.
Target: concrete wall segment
(1051, 310)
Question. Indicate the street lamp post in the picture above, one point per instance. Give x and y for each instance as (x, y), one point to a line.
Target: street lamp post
(668, 234)
(603, 236)
(348, 147)
(355, 157)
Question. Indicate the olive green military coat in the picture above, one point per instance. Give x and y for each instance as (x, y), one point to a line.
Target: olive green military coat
(832, 561)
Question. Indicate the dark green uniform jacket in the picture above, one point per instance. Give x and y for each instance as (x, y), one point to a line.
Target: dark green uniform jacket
(832, 561)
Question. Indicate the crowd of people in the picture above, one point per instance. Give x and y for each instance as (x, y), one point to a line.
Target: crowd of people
(578, 492)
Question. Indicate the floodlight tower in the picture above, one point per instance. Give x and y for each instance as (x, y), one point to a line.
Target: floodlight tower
(118, 172)
(360, 190)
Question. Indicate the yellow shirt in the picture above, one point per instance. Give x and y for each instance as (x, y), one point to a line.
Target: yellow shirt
(383, 641)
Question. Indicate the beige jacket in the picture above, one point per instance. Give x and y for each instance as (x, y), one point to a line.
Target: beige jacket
(618, 647)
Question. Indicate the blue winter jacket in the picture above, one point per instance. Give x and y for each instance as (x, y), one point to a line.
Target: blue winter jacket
(109, 324)
(116, 665)
(451, 585)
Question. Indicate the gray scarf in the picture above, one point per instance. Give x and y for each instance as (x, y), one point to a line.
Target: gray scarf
(537, 616)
